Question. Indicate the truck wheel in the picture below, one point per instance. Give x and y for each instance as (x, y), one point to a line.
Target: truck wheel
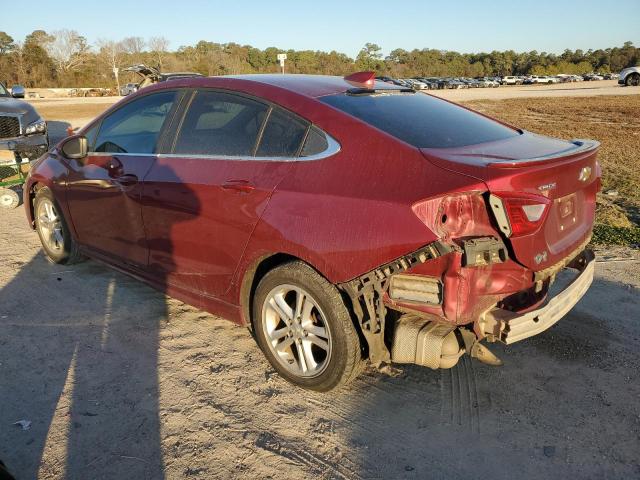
(632, 80)
(53, 230)
(9, 198)
(304, 328)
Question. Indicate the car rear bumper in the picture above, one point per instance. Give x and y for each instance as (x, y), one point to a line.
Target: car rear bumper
(509, 327)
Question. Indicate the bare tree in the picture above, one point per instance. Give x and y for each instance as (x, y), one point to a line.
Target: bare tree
(159, 47)
(68, 49)
(134, 45)
(111, 53)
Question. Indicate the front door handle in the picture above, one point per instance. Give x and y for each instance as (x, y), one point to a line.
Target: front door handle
(243, 186)
(127, 179)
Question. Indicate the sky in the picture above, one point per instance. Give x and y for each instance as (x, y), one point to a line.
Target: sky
(345, 26)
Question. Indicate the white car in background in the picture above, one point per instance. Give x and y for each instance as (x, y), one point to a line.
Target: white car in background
(128, 89)
(511, 80)
(630, 77)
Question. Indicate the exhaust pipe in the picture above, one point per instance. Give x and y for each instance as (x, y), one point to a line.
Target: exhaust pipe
(435, 345)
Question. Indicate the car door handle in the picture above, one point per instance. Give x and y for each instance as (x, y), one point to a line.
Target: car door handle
(127, 179)
(243, 186)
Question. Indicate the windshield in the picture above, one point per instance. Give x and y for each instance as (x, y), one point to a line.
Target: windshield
(421, 120)
(3, 91)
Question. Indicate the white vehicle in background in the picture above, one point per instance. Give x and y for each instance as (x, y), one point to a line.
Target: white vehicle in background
(511, 80)
(630, 77)
(417, 84)
(128, 89)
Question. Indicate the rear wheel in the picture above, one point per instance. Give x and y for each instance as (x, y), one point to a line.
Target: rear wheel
(53, 230)
(632, 80)
(304, 328)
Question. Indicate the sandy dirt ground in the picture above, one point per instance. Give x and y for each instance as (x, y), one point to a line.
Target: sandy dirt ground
(119, 381)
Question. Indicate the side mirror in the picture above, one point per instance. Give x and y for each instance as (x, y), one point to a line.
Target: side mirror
(75, 147)
(17, 91)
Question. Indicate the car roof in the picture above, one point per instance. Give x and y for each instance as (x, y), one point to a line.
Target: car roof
(307, 85)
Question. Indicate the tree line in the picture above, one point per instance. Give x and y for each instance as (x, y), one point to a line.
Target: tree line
(64, 58)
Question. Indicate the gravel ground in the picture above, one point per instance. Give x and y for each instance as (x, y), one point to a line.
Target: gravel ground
(119, 381)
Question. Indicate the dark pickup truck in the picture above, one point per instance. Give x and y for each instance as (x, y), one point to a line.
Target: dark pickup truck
(22, 129)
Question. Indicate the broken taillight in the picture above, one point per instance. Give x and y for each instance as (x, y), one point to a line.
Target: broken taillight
(524, 212)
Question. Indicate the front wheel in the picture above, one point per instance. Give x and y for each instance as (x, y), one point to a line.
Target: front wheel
(53, 231)
(304, 328)
(632, 80)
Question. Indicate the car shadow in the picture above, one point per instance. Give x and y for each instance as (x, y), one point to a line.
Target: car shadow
(79, 389)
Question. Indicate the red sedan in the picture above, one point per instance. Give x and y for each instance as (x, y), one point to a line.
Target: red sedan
(341, 219)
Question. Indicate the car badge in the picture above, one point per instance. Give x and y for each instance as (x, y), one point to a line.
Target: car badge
(585, 174)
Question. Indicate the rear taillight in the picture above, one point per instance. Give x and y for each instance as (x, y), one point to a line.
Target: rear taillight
(519, 214)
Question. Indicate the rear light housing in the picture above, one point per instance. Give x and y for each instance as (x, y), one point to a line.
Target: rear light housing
(519, 214)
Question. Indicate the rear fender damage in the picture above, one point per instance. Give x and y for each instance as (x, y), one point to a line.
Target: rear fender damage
(367, 294)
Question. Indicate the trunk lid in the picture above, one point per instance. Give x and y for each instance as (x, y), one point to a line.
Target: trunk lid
(565, 173)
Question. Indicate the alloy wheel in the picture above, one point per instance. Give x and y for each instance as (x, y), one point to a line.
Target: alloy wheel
(296, 330)
(50, 225)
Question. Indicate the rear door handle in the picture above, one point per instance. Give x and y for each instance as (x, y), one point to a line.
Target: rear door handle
(243, 186)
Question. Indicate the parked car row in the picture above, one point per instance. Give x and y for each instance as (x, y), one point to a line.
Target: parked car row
(437, 83)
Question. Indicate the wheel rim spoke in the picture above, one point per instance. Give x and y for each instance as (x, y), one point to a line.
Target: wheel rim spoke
(318, 342)
(278, 334)
(302, 361)
(310, 362)
(282, 346)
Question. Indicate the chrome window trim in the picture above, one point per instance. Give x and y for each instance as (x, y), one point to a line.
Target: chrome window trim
(333, 147)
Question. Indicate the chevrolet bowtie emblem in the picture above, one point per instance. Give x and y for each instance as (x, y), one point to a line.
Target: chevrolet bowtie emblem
(585, 174)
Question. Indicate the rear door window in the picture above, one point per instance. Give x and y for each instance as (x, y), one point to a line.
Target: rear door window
(282, 136)
(421, 120)
(135, 127)
(219, 123)
(315, 143)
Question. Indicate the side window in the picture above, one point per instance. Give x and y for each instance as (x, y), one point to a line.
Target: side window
(220, 123)
(91, 136)
(315, 143)
(282, 135)
(135, 127)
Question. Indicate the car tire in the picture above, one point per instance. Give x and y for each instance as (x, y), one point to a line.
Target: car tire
(632, 80)
(57, 242)
(9, 198)
(302, 325)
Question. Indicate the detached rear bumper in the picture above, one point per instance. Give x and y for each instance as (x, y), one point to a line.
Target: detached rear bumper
(510, 327)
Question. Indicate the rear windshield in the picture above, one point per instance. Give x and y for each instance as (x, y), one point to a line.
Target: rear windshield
(421, 120)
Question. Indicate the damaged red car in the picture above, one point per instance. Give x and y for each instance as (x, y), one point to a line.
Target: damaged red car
(343, 220)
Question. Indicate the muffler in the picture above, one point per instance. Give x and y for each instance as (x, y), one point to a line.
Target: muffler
(427, 343)
(434, 344)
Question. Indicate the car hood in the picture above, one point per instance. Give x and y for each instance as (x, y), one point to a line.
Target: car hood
(18, 107)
